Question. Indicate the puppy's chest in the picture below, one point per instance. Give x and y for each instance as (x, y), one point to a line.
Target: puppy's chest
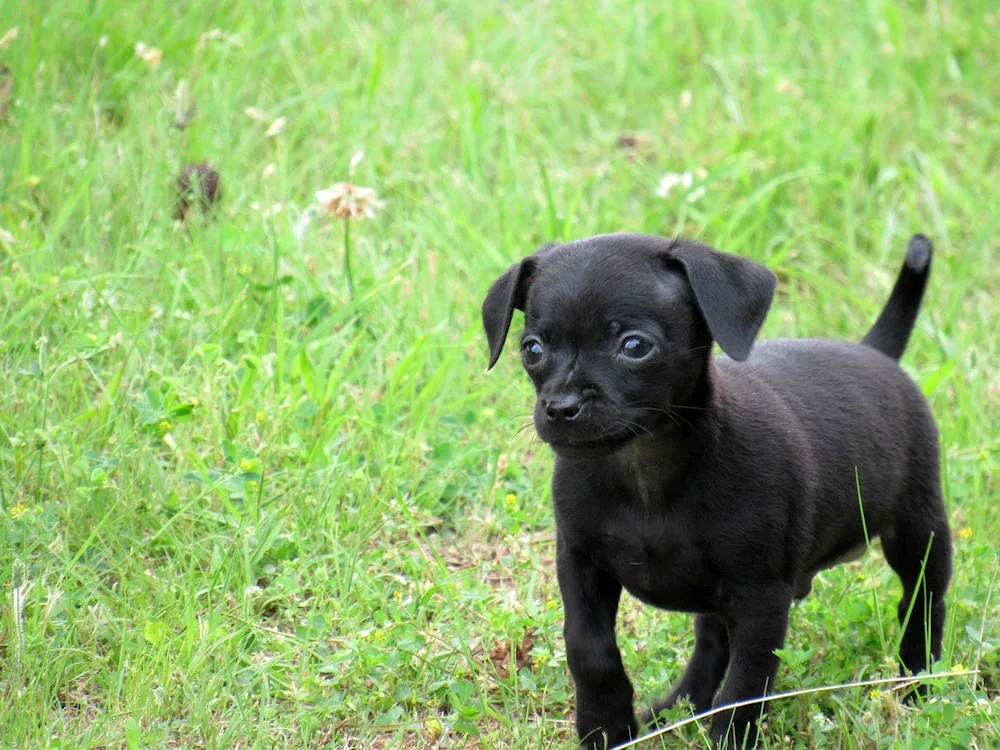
(656, 557)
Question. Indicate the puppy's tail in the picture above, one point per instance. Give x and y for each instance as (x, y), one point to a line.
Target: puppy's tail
(892, 329)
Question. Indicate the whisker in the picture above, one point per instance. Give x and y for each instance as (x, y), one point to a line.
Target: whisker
(522, 428)
(668, 411)
(522, 415)
(673, 415)
(633, 427)
(668, 405)
(528, 396)
(676, 418)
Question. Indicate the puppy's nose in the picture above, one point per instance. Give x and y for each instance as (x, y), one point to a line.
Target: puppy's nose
(564, 406)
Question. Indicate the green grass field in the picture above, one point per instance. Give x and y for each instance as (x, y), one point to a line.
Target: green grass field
(242, 507)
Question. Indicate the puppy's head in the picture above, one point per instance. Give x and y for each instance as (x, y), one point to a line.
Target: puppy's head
(618, 331)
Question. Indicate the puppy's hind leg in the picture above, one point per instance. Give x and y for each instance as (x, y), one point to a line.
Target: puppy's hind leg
(704, 672)
(919, 549)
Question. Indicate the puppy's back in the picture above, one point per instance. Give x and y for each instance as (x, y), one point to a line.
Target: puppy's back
(840, 392)
(863, 422)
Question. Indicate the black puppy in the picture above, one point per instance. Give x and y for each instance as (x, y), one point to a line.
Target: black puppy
(717, 485)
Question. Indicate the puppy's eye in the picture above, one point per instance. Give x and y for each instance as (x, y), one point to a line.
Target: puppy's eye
(532, 352)
(635, 347)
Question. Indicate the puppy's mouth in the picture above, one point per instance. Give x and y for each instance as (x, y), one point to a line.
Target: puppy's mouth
(588, 447)
(594, 429)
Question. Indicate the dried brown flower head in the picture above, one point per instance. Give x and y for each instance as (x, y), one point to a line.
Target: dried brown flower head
(197, 184)
(349, 202)
(152, 56)
(636, 145)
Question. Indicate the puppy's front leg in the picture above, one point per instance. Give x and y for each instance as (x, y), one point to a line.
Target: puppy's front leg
(604, 714)
(704, 671)
(757, 623)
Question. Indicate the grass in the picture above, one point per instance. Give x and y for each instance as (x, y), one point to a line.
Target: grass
(243, 509)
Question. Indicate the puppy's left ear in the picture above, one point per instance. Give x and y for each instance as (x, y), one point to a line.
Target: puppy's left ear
(733, 293)
(507, 293)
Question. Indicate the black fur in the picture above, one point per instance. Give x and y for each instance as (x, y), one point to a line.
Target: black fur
(716, 485)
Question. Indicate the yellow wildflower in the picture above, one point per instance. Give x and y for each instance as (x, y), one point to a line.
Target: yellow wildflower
(433, 728)
(17, 511)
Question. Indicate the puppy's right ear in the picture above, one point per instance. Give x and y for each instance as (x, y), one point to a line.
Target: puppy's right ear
(507, 293)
